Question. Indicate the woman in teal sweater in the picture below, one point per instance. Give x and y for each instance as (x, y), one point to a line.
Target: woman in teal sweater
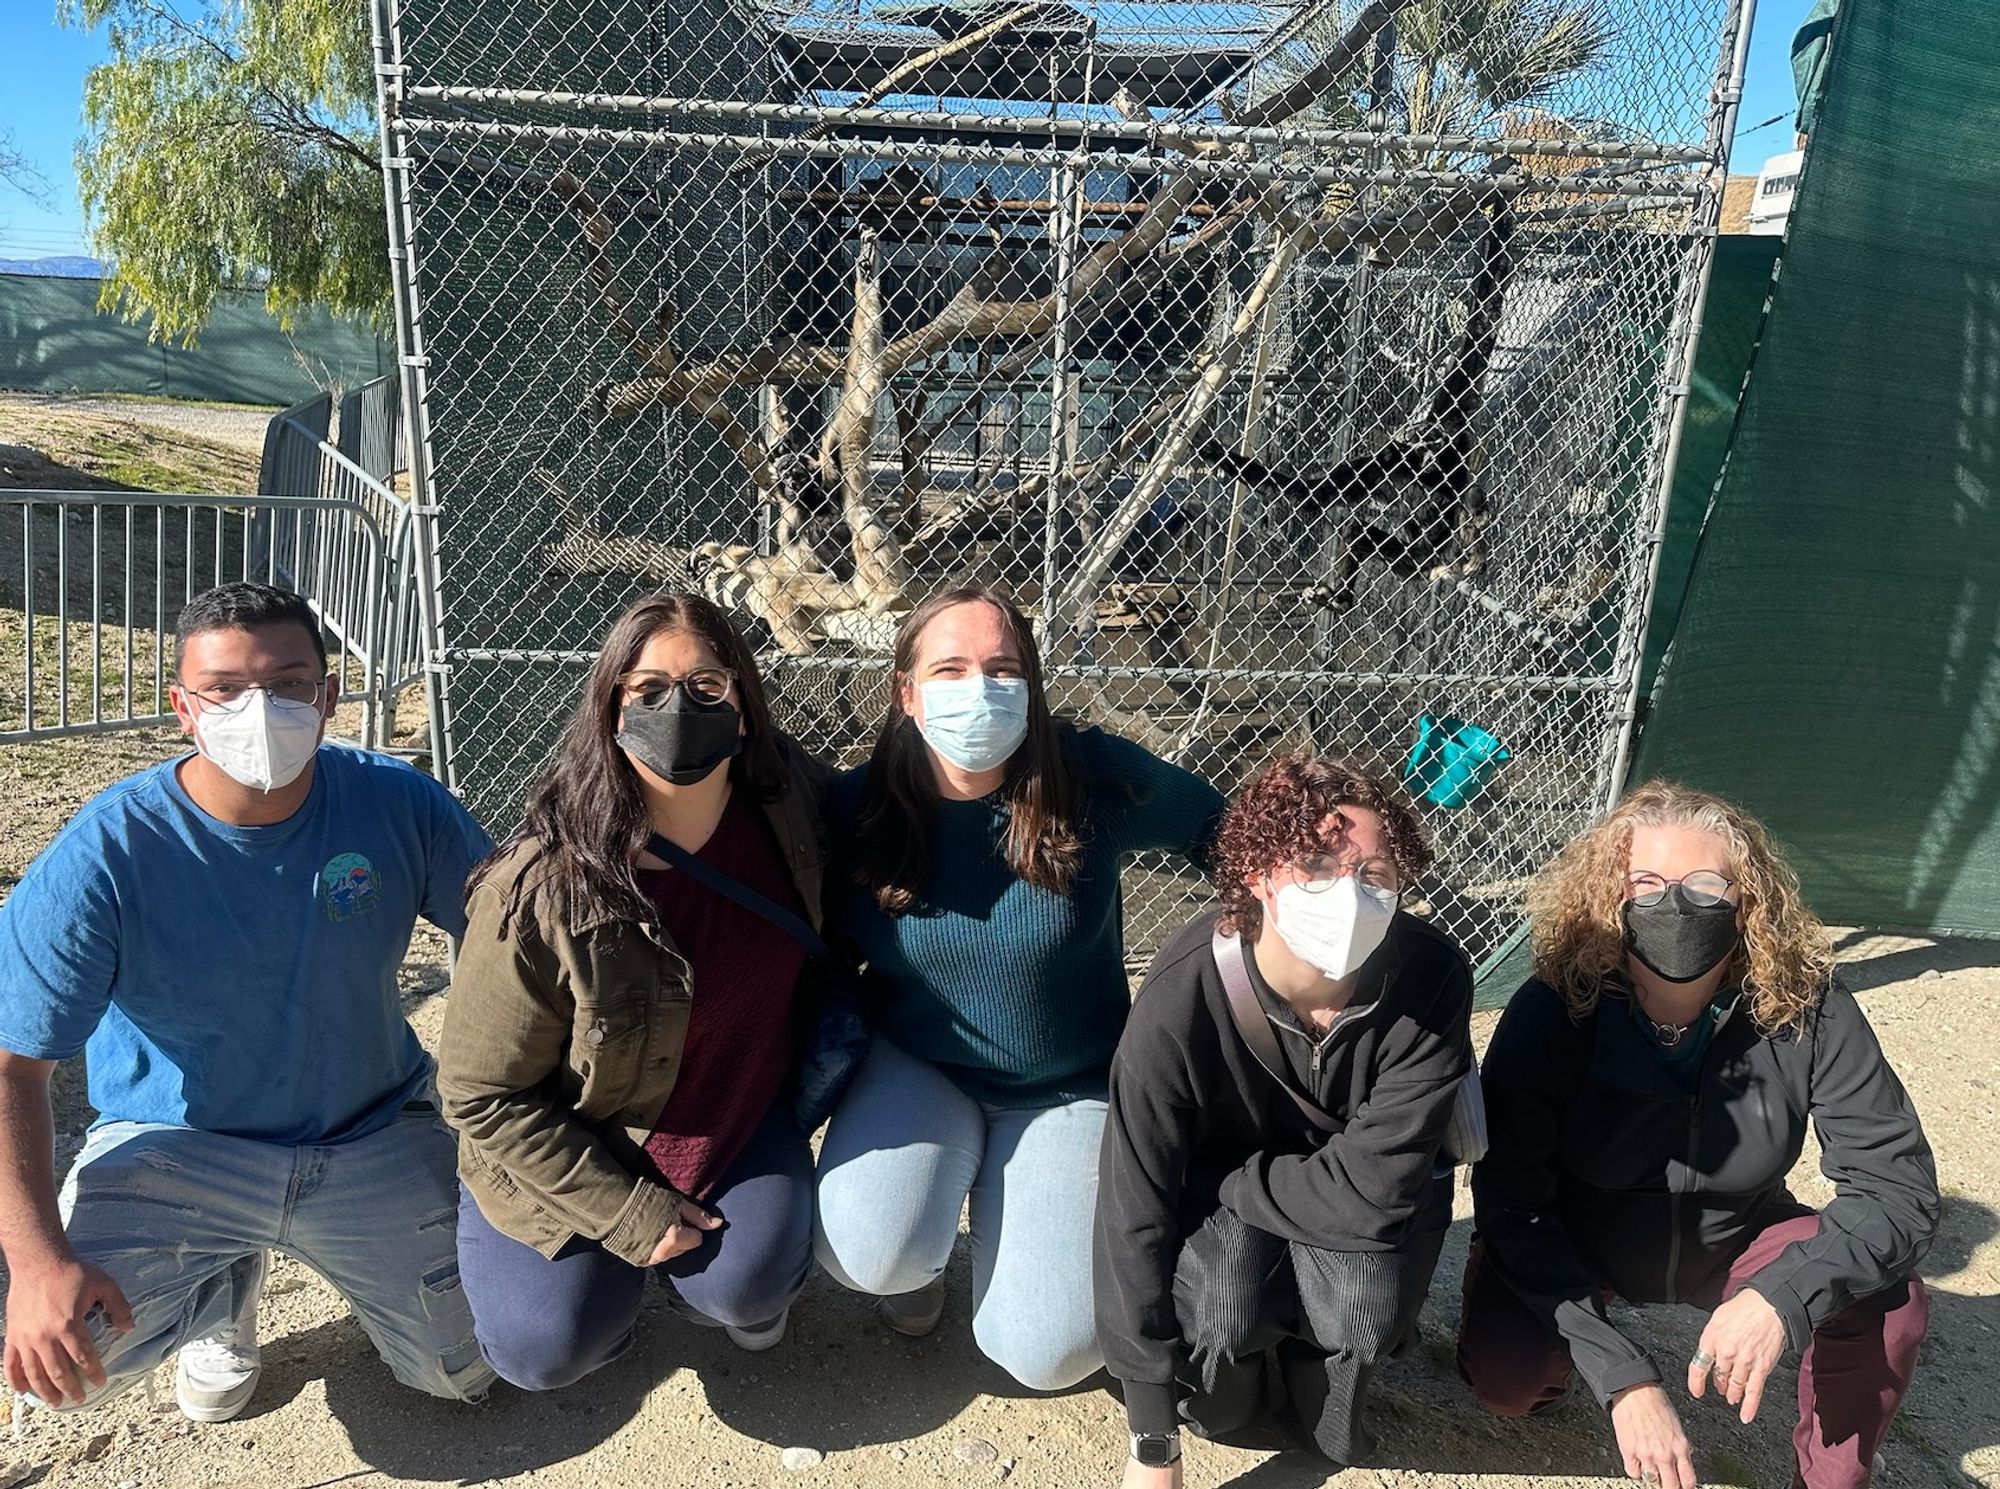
(982, 846)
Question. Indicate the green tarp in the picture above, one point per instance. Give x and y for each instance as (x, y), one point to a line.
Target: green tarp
(53, 339)
(1737, 289)
(1837, 663)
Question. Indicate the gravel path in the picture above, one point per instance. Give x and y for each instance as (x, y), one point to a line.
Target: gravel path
(236, 424)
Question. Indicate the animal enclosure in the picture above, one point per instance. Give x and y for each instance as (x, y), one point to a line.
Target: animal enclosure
(1306, 370)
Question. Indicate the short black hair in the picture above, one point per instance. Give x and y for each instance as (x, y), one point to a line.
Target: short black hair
(239, 607)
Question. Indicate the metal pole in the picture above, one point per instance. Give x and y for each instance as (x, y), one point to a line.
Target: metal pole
(1727, 97)
(895, 152)
(414, 364)
(1162, 132)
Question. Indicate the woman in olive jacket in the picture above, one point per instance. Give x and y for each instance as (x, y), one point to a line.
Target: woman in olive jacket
(621, 1034)
(1647, 1095)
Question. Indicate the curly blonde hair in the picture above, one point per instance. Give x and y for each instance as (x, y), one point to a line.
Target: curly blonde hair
(1575, 908)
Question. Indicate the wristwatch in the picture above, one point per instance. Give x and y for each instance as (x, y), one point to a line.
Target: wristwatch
(1156, 1449)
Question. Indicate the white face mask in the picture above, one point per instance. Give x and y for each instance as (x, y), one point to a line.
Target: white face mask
(1334, 927)
(975, 722)
(258, 742)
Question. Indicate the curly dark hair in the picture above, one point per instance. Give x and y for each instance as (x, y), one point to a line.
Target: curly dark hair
(1276, 819)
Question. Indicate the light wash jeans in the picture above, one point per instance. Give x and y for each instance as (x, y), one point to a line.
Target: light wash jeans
(179, 1219)
(906, 1149)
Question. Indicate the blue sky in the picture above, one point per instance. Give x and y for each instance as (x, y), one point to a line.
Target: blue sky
(47, 63)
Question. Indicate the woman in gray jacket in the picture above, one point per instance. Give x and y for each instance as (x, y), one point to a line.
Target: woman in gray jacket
(1647, 1094)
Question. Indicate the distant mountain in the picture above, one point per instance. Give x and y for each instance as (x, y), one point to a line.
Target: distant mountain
(65, 267)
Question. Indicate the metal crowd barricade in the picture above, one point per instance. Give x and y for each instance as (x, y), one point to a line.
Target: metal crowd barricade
(93, 582)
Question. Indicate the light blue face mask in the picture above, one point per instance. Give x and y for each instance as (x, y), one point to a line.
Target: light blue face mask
(975, 722)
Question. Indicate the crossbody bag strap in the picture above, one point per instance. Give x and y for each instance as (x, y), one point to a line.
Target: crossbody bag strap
(1255, 1026)
(735, 889)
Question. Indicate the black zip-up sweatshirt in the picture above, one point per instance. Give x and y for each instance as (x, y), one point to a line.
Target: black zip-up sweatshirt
(1604, 1171)
(1196, 1123)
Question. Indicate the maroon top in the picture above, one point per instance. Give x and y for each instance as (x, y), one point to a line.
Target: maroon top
(745, 973)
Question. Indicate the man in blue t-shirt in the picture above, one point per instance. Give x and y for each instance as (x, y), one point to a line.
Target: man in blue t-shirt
(220, 936)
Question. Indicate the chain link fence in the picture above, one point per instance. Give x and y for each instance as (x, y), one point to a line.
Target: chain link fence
(1308, 371)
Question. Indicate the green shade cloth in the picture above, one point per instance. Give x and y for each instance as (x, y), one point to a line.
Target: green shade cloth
(1837, 663)
(53, 339)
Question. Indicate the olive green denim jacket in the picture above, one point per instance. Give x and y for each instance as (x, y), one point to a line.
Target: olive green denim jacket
(563, 1038)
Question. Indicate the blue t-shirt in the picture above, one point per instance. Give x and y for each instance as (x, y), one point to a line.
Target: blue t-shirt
(238, 980)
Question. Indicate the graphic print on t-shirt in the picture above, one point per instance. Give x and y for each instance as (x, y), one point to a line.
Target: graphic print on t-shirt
(347, 885)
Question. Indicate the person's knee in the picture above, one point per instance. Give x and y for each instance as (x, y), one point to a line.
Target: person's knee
(862, 1264)
(461, 1374)
(1044, 1355)
(1508, 1382)
(745, 1300)
(550, 1358)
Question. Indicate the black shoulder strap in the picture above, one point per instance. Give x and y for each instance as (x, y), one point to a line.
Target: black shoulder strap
(1464, 1139)
(1255, 1027)
(737, 890)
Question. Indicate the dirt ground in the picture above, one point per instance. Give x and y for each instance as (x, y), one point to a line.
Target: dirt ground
(685, 1409)
(56, 442)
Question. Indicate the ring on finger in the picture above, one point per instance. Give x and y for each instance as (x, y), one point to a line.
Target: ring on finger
(1701, 1359)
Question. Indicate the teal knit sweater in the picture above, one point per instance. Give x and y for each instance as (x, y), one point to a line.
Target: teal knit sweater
(1015, 992)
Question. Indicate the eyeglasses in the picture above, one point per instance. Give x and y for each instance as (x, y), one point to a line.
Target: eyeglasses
(704, 685)
(227, 697)
(1704, 887)
(1318, 871)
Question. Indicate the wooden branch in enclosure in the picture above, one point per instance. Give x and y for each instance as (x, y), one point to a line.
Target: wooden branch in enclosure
(789, 597)
(1309, 86)
(1180, 435)
(657, 350)
(956, 47)
(882, 577)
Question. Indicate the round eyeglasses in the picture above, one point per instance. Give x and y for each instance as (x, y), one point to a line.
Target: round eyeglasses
(1704, 888)
(704, 685)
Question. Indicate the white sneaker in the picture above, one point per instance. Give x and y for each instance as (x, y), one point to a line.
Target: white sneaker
(914, 1314)
(216, 1376)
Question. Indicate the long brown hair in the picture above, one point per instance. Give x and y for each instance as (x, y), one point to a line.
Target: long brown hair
(1044, 789)
(1575, 908)
(585, 812)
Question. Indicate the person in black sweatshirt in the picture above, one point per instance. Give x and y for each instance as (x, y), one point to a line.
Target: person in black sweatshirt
(1267, 1233)
(1648, 1093)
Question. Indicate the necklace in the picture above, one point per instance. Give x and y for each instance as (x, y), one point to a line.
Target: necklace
(1669, 1035)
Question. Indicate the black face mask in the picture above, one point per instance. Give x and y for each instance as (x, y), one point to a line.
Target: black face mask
(1678, 939)
(678, 739)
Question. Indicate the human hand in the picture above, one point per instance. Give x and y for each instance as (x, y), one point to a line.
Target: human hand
(685, 1233)
(1138, 1476)
(50, 1353)
(1650, 1438)
(1743, 1342)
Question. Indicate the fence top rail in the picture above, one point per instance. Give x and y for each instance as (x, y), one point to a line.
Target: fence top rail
(201, 501)
(1149, 131)
(68, 497)
(340, 462)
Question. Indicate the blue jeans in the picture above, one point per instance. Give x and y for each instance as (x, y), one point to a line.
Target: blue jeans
(547, 1322)
(907, 1149)
(179, 1219)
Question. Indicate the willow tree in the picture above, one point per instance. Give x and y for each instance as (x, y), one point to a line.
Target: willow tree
(228, 146)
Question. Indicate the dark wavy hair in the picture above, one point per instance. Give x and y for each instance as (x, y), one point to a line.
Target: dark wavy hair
(1043, 787)
(585, 813)
(1275, 819)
